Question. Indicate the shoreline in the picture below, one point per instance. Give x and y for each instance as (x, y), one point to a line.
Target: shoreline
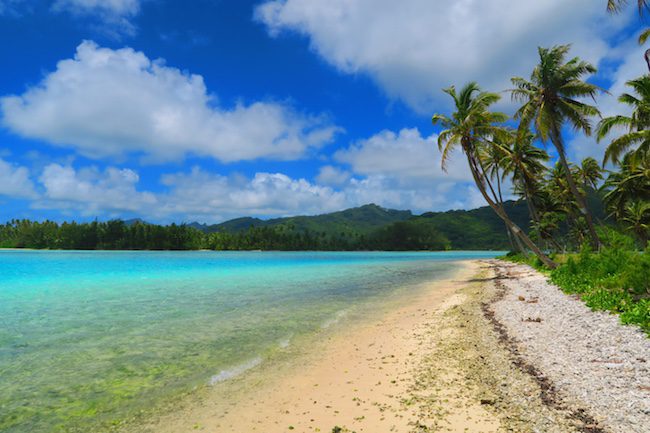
(355, 379)
(450, 358)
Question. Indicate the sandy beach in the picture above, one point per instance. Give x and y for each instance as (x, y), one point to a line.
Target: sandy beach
(442, 360)
(364, 379)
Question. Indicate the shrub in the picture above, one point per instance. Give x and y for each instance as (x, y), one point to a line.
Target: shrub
(615, 279)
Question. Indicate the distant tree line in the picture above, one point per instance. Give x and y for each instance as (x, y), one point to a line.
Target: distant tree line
(110, 235)
(117, 235)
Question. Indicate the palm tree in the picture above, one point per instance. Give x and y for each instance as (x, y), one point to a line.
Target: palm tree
(525, 163)
(470, 127)
(491, 158)
(631, 183)
(589, 173)
(615, 6)
(561, 200)
(637, 124)
(637, 218)
(549, 101)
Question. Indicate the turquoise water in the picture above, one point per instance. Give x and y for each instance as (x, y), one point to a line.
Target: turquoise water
(90, 338)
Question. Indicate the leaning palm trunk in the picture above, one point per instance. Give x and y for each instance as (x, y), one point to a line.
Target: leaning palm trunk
(580, 200)
(514, 228)
(532, 209)
(520, 247)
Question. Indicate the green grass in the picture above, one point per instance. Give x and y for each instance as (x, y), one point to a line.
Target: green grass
(615, 279)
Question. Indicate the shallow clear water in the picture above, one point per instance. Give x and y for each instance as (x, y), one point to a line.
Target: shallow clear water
(89, 338)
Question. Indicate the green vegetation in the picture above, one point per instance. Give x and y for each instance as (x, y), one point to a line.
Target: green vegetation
(110, 235)
(368, 227)
(589, 226)
(361, 220)
(616, 279)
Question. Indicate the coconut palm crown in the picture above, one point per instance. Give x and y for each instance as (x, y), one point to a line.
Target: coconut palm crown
(551, 99)
(471, 127)
(637, 125)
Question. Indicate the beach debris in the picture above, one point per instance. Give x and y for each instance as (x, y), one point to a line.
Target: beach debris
(488, 401)
(532, 319)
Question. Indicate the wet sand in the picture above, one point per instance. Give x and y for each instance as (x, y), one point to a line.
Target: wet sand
(374, 376)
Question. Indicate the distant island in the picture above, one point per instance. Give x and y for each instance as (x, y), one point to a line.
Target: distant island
(368, 227)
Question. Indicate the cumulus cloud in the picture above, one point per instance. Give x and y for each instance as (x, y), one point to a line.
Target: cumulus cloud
(194, 195)
(213, 197)
(413, 48)
(402, 170)
(114, 15)
(15, 181)
(405, 155)
(391, 192)
(199, 195)
(91, 191)
(393, 169)
(112, 103)
(334, 176)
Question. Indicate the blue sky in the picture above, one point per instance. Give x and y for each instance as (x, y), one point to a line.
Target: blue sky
(207, 110)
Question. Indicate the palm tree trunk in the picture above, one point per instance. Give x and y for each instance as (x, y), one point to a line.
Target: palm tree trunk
(531, 206)
(518, 232)
(520, 247)
(582, 204)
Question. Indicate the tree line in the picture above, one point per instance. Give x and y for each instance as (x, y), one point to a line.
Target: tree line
(117, 235)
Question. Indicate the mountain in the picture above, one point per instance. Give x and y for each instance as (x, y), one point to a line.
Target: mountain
(356, 221)
(479, 229)
(134, 221)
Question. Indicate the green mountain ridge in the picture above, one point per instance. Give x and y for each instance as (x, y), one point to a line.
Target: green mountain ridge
(360, 220)
(456, 229)
(364, 228)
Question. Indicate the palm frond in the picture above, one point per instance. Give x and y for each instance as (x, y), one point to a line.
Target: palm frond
(605, 125)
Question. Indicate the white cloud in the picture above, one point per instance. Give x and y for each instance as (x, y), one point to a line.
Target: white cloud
(195, 195)
(115, 15)
(15, 181)
(112, 103)
(212, 197)
(91, 191)
(334, 176)
(391, 193)
(413, 48)
(406, 155)
(402, 170)
(203, 196)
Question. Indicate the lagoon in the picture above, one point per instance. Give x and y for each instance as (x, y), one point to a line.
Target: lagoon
(90, 338)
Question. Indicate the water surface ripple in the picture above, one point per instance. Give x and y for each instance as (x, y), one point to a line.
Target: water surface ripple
(90, 338)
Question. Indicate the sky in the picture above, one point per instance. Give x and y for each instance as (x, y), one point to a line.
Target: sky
(206, 110)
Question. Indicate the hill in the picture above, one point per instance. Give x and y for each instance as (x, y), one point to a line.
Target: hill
(478, 228)
(381, 228)
(350, 222)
